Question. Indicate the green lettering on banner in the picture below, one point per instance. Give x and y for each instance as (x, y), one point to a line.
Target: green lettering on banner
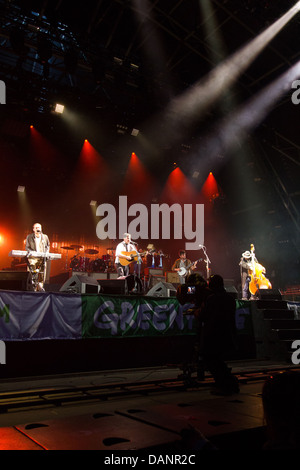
(107, 316)
(4, 312)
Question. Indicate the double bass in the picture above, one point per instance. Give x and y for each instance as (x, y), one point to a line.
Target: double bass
(257, 274)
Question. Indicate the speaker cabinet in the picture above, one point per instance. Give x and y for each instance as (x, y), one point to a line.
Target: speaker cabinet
(15, 280)
(153, 272)
(81, 285)
(124, 286)
(162, 289)
(172, 277)
(113, 286)
(269, 294)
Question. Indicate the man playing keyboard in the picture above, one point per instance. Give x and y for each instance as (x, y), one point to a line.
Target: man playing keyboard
(38, 242)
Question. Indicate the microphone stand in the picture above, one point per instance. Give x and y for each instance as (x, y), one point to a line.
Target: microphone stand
(207, 261)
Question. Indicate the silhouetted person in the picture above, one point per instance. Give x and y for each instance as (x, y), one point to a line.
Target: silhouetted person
(217, 334)
(281, 404)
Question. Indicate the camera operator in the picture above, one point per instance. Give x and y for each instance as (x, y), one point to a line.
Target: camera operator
(195, 291)
(215, 315)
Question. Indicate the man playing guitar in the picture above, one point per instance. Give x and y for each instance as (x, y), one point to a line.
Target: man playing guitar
(183, 266)
(122, 258)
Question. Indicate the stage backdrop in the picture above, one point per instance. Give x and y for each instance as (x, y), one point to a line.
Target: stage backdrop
(32, 315)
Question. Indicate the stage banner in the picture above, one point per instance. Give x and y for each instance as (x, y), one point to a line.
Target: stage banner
(33, 315)
(106, 316)
(243, 318)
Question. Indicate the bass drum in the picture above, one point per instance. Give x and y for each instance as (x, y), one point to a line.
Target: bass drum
(74, 265)
(98, 266)
(84, 263)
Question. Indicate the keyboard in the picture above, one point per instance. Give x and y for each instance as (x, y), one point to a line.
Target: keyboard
(34, 254)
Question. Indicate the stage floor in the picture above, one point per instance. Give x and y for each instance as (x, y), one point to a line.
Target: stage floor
(134, 409)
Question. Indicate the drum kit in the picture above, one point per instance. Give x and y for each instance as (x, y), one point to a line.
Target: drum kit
(87, 261)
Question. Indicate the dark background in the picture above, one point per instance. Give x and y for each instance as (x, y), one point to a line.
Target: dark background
(122, 63)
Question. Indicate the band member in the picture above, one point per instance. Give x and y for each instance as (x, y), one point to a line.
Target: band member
(183, 266)
(245, 266)
(37, 242)
(150, 256)
(123, 260)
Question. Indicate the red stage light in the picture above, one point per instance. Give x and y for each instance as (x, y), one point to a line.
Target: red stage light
(138, 182)
(178, 188)
(210, 189)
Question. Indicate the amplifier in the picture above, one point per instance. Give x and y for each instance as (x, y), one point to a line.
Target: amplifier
(172, 277)
(153, 272)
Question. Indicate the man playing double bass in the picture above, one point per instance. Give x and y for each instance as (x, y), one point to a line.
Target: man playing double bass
(252, 275)
(245, 268)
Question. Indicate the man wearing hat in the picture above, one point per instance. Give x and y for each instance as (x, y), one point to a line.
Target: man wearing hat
(245, 266)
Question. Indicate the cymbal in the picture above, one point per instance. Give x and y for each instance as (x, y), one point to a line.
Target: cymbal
(91, 251)
(76, 246)
(66, 248)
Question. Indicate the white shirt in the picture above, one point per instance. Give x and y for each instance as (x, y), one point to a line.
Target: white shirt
(122, 247)
(37, 243)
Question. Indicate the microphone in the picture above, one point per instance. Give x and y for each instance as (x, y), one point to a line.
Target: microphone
(134, 243)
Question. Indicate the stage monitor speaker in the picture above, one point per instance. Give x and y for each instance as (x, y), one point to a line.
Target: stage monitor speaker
(14, 280)
(81, 285)
(269, 294)
(162, 289)
(124, 286)
(232, 291)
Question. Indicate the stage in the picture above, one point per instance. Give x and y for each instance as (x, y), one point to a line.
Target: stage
(134, 412)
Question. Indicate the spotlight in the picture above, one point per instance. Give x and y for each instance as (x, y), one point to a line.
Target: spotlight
(93, 203)
(121, 129)
(118, 61)
(135, 132)
(59, 108)
(21, 189)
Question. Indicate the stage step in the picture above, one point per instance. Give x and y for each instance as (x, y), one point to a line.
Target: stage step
(283, 323)
(275, 328)
(278, 314)
(290, 334)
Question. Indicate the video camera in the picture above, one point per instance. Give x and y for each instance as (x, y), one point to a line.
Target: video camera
(191, 293)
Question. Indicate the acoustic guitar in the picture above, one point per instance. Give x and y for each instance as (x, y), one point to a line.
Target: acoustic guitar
(133, 257)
